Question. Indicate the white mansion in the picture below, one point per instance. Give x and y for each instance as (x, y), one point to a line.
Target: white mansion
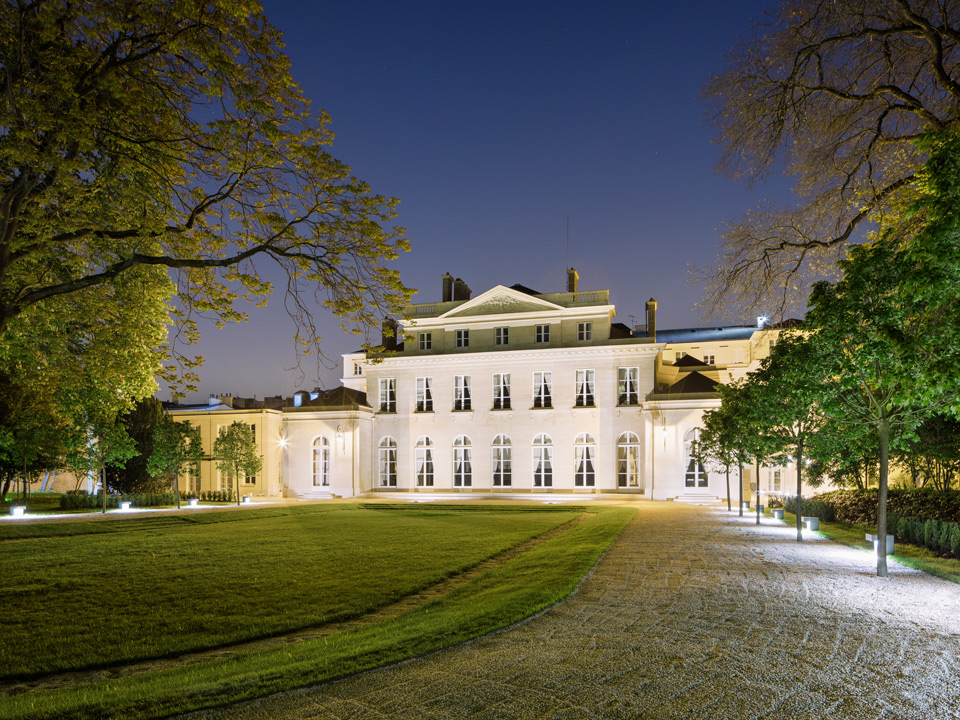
(512, 391)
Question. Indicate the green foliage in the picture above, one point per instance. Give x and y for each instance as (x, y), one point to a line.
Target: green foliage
(815, 507)
(83, 501)
(177, 446)
(235, 452)
(140, 423)
(153, 137)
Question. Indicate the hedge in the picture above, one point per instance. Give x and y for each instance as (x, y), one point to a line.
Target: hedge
(811, 508)
(860, 506)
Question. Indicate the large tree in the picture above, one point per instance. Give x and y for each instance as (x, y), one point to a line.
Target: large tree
(783, 408)
(169, 139)
(834, 94)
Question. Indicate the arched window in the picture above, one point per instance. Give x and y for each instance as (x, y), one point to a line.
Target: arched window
(321, 461)
(388, 462)
(502, 456)
(696, 474)
(628, 460)
(542, 461)
(584, 460)
(423, 462)
(462, 463)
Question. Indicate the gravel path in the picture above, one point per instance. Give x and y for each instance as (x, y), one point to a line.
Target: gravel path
(693, 613)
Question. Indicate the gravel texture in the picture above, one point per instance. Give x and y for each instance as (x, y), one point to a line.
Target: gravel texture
(693, 613)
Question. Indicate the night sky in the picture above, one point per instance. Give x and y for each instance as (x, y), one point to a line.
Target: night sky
(494, 122)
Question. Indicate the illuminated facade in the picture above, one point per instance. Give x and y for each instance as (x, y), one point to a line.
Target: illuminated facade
(510, 392)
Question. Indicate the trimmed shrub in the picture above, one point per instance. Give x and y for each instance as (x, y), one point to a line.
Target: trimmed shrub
(955, 539)
(811, 508)
(931, 534)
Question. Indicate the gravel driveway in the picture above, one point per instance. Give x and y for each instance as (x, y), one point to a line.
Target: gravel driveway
(693, 613)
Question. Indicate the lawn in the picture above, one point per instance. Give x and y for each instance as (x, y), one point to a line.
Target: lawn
(151, 588)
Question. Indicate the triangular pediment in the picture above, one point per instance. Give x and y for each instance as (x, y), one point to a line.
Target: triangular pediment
(501, 300)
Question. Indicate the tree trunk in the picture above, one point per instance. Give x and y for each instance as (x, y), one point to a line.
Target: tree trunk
(6, 488)
(799, 490)
(728, 486)
(176, 488)
(103, 487)
(758, 491)
(740, 505)
(884, 433)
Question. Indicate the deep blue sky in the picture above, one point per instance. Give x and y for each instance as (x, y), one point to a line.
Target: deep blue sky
(493, 122)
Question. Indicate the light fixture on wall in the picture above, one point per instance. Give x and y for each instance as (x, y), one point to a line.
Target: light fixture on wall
(340, 438)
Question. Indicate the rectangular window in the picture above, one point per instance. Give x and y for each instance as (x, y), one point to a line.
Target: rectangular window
(502, 335)
(388, 395)
(542, 389)
(543, 333)
(461, 392)
(424, 394)
(357, 369)
(463, 338)
(628, 386)
(501, 391)
(710, 359)
(776, 481)
(251, 479)
(585, 331)
(426, 341)
(585, 383)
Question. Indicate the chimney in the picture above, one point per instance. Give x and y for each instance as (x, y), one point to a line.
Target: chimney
(652, 319)
(447, 287)
(389, 330)
(572, 279)
(461, 290)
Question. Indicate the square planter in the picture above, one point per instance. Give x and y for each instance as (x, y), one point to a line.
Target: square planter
(17, 510)
(812, 523)
(778, 514)
(193, 502)
(871, 538)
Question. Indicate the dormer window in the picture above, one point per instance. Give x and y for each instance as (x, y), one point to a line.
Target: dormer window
(584, 332)
(502, 335)
(463, 338)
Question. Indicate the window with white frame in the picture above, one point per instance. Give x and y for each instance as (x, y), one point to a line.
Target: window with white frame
(321, 462)
(388, 395)
(775, 481)
(584, 331)
(501, 391)
(543, 333)
(461, 392)
(543, 461)
(710, 359)
(628, 460)
(585, 388)
(543, 389)
(502, 460)
(502, 335)
(424, 394)
(584, 460)
(251, 479)
(357, 369)
(425, 340)
(696, 474)
(462, 462)
(628, 386)
(423, 462)
(463, 338)
(388, 462)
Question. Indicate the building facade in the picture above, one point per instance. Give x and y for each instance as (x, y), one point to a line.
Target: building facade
(512, 392)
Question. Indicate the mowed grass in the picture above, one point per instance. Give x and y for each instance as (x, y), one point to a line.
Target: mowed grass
(90, 594)
(497, 597)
